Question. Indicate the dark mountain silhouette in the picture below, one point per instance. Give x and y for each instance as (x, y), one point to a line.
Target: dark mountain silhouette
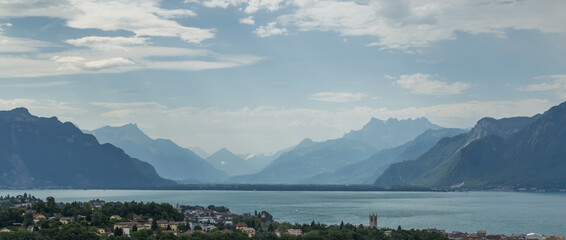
(44, 152)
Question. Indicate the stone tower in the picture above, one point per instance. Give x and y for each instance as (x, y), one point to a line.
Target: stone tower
(373, 220)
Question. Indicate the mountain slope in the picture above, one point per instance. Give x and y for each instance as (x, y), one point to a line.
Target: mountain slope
(227, 161)
(367, 171)
(487, 155)
(531, 157)
(169, 159)
(310, 158)
(44, 152)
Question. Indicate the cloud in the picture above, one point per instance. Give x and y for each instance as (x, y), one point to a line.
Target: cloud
(143, 18)
(152, 105)
(108, 63)
(120, 59)
(21, 45)
(107, 43)
(420, 83)
(269, 30)
(37, 85)
(77, 64)
(340, 97)
(248, 20)
(548, 82)
(250, 6)
(556, 83)
(403, 24)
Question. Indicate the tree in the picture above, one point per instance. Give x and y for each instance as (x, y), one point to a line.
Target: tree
(154, 225)
(52, 205)
(135, 228)
(118, 232)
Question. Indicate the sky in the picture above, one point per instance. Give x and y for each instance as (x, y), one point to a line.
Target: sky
(261, 75)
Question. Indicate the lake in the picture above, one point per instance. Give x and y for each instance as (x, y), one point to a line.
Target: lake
(495, 212)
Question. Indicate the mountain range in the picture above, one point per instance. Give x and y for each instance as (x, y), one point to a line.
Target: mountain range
(170, 160)
(366, 171)
(511, 152)
(44, 152)
(310, 158)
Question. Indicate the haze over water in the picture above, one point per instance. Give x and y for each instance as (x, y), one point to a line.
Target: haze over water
(496, 212)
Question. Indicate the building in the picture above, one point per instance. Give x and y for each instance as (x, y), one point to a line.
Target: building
(127, 227)
(296, 232)
(249, 231)
(241, 226)
(373, 220)
(66, 220)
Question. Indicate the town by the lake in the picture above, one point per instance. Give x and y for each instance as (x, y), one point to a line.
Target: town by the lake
(27, 217)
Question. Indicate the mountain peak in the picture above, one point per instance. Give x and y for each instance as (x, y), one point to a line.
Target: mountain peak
(16, 112)
(499, 127)
(21, 110)
(305, 143)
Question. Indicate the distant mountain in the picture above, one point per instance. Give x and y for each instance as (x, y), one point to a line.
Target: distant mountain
(170, 160)
(310, 158)
(391, 133)
(259, 161)
(199, 151)
(519, 151)
(44, 152)
(229, 162)
(367, 171)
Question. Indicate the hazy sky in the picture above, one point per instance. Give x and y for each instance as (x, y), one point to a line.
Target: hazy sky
(260, 75)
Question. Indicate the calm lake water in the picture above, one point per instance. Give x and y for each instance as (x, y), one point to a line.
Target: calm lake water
(495, 212)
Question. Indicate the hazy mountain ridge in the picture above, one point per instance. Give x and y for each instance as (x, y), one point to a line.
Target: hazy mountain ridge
(44, 152)
(170, 160)
(514, 152)
(310, 158)
(230, 163)
(367, 171)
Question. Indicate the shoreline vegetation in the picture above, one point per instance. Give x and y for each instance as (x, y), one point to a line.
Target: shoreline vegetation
(27, 217)
(305, 187)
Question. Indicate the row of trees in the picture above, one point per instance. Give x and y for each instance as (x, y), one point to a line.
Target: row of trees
(75, 231)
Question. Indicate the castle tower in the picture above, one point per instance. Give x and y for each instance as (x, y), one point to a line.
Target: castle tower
(373, 220)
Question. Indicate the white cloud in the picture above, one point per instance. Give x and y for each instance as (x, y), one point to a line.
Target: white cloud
(340, 97)
(152, 105)
(21, 45)
(556, 83)
(420, 83)
(108, 63)
(269, 30)
(403, 24)
(37, 85)
(144, 18)
(122, 59)
(251, 6)
(549, 82)
(248, 20)
(107, 43)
